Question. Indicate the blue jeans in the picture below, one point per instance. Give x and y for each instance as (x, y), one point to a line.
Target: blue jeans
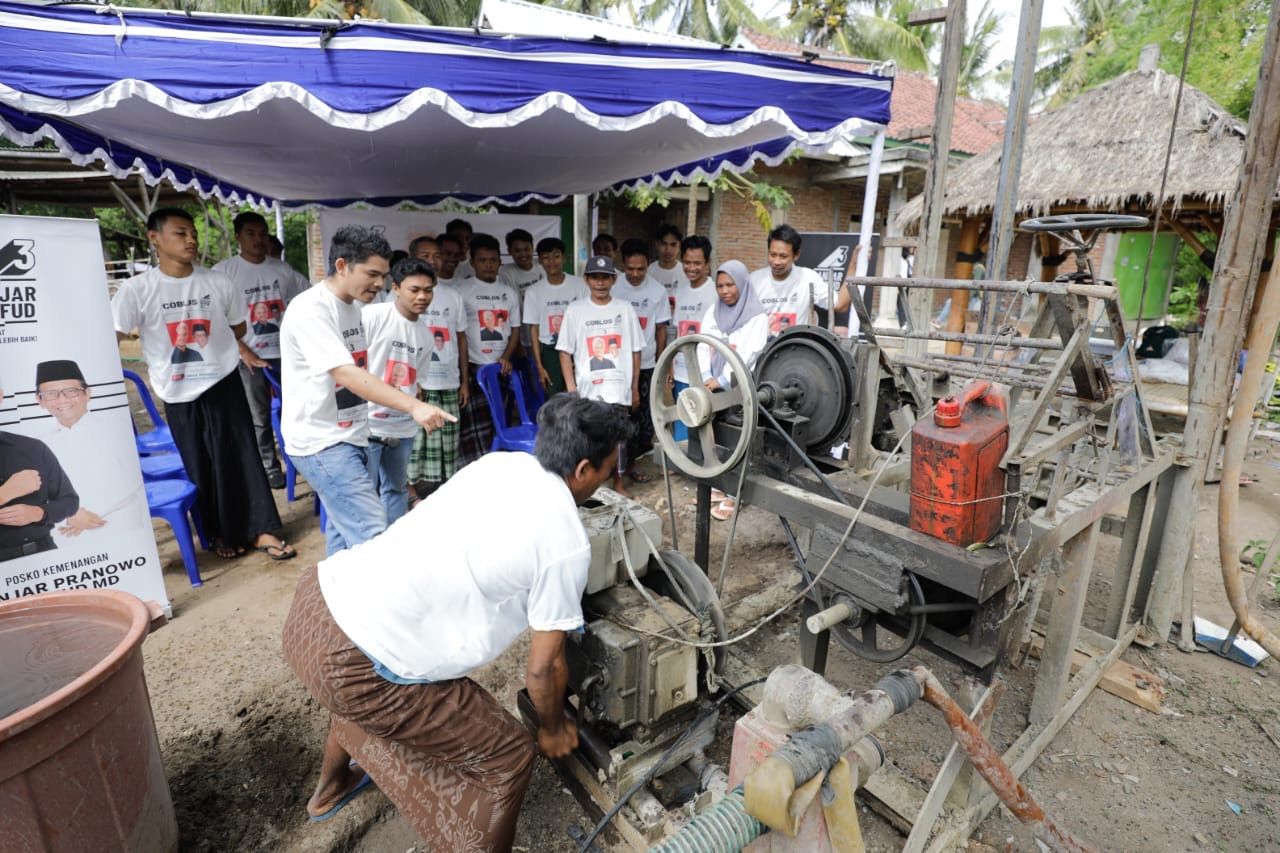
(679, 431)
(389, 470)
(340, 477)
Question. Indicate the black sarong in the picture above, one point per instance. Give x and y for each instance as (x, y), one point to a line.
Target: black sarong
(214, 434)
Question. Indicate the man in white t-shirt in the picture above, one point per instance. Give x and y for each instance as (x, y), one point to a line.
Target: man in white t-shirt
(521, 274)
(599, 347)
(264, 283)
(788, 292)
(434, 457)
(693, 299)
(401, 346)
(667, 270)
(543, 311)
(426, 248)
(204, 399)
(447, 273)
(385, 635)
(493, 313)
(462, 232)
(324, 354)
(653, 310)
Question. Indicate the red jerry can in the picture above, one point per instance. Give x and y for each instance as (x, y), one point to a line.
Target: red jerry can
(956, 481)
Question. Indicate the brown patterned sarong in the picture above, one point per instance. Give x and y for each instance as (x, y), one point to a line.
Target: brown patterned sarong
(450, 758)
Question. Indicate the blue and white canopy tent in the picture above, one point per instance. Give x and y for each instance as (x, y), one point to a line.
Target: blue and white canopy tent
(309, 112)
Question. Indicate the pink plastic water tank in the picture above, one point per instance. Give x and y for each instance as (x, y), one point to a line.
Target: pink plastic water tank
(79, 758)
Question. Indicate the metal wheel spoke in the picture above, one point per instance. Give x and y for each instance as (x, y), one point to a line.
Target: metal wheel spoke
(727, 399)
(666, 415)
(692, 373)
(707, 441)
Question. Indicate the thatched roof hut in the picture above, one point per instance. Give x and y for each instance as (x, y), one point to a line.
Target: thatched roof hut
(1105, 152)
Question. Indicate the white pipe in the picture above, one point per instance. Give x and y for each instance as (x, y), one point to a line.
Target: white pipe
(869, 197)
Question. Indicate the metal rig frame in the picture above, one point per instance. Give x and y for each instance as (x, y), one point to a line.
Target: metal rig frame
(1069, 483)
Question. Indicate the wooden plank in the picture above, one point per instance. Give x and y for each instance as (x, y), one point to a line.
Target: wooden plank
(1121, 679)
(895, 796)
(1065, 611)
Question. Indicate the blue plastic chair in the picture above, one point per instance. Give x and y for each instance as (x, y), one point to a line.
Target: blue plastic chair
(159, 439)
(174, 500)
(534, 394)
(290, 472)
(518, 437)
(163, 466)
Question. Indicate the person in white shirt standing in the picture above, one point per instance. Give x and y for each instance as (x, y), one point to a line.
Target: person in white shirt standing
(667, 270)
(400, 351)
(204, 402)
(264, 283)
(593, 331)
(694, 298)
(451, 255)
(324, 353)
(434, 457)
(426, 248)
(493, 315)
(385, 635)
(653, 310)
(543, 311)
(789, 292)
(521, 274)
(462, 232)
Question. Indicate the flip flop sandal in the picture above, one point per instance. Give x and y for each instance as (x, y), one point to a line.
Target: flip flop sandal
(640, 477)
(270, 551)
(724, 510)
(360, 786)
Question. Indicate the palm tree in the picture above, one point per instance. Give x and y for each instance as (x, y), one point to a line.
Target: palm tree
(981, 32)
(710, 20)
(875, 29)
(1065, 51)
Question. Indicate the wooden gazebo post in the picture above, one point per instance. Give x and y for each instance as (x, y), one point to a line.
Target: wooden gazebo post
(966, 254)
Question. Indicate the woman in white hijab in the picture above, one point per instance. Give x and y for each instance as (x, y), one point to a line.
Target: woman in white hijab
(739, 319)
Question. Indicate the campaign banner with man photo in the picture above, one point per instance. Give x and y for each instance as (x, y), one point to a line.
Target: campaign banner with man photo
(73, 511)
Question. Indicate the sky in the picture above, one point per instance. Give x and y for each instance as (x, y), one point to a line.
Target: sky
(1055, 14)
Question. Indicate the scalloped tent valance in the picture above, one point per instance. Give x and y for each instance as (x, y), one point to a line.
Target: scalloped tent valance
(308, 112)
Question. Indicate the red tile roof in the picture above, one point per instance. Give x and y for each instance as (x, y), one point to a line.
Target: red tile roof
(977, 125)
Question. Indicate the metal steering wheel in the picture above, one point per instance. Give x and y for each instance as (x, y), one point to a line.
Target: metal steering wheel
(697, 407)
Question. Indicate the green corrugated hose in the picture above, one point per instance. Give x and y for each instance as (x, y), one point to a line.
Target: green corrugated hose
(725, 828)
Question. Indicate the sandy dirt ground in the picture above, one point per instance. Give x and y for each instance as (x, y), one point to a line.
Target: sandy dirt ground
(241, 738)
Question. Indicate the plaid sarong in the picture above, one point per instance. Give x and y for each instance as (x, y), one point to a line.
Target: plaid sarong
(434, 457)
(475, 425)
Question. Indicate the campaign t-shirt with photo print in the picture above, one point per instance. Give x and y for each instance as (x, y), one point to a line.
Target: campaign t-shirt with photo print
(789, 302)
(493, 310)
(400, 355)
(520, 281)
(692, 304)
(671, 279)
(545, 302)
(266, 289)
(445, 319)
(321, 332)
(649, 299)
(185, 329)
(602, 340)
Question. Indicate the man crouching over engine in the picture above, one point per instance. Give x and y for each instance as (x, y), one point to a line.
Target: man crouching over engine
(384, 634)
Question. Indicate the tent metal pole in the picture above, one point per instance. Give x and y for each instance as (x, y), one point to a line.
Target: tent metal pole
(581, 231)
(280, 228)
(870, 193)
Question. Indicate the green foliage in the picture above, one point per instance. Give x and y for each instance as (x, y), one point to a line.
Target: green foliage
(642, 198)
(1187, 270)
(762, 195)
(1226, 46)
(1105, 38)
(872, 29)
(295, 241)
